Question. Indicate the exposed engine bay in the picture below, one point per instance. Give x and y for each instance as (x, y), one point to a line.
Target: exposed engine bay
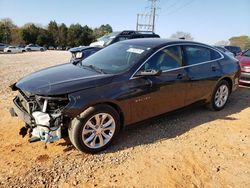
(42, 115)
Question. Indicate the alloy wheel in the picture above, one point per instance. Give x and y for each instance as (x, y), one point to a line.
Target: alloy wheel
(98, 130)
(221, 96)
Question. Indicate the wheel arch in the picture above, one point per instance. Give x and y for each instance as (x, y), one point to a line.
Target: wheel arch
(229, 81)
(117, 108)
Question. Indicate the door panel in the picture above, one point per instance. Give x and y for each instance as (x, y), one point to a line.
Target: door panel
(202, 70)
(158, 94)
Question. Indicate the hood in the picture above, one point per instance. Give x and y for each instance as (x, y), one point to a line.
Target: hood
(62, 79)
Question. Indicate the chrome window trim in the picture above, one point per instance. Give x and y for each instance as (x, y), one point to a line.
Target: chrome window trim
(182, 44)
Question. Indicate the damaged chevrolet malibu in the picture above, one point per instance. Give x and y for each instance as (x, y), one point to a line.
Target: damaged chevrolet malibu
(125, 83)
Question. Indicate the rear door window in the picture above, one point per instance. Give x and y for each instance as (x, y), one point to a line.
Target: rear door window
(199, 54)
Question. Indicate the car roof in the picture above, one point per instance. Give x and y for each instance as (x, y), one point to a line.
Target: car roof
(158, 42)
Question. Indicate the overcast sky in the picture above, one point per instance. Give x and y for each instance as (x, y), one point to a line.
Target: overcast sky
(208, 21)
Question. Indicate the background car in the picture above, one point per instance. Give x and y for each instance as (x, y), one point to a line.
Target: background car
(226, 51)
(34, 47)
(14, 49)
(234, 49)
(244, 59)
(122, 84)
(2, 46)
(59, 48)
(120, 36)
(79, 53)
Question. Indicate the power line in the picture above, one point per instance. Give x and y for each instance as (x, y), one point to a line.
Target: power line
(181, 7)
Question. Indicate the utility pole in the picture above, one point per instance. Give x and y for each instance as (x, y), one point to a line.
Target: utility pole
(146, 22)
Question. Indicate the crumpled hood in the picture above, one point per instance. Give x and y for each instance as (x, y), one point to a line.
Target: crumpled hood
(62, 79)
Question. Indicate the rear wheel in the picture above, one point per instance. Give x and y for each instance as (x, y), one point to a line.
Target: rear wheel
(95, 129)
(41, 49)
(220, 96)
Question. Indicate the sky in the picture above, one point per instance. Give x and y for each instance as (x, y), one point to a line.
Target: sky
(207, 21)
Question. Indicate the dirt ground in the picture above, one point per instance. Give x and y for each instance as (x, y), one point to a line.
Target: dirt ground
(193, 147)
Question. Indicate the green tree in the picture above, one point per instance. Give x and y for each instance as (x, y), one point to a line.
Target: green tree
(6, 29)
(74, 33)
(102, 30)
(53, 33)
(29, 33)
(242, 41)
(86, 36)
(63, 31)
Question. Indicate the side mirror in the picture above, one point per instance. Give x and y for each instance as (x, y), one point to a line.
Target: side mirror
(149, 73)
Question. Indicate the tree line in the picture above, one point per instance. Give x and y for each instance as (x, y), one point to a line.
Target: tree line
(53, 34)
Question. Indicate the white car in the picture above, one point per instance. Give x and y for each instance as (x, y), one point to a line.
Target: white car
(14, 49)
(34, 47)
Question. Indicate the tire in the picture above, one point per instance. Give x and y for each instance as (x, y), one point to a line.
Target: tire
(28, 49)
(41, 50)
(23, 51)
(220, 96)
(8, 51)
(87, 135)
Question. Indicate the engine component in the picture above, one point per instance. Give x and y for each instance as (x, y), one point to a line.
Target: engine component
(43, 130)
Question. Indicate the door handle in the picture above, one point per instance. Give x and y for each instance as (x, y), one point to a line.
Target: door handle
(213, 68)
(179, 76)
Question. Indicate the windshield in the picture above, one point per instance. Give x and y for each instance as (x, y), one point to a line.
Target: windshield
(107, 39)
(116, 58)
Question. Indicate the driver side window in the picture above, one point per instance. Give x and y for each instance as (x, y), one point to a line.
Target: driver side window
(166, 59)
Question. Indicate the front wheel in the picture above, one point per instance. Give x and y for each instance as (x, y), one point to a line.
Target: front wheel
(95, 129)
(220, 96)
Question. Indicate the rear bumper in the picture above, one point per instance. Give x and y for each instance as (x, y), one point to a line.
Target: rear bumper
(245, 77)
(20, 112)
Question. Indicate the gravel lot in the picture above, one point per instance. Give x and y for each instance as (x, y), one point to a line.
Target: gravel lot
(193, 147)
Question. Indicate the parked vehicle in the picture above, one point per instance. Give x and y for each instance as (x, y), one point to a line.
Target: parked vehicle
(122, 84)
(34, 47)
(67, 48)
(244, 59)
(234, 49)
(13, 49)
(224, 50)
(59, 48)
(2, 46)
(106, 41)
(120, 36)
(80, 53)
(51, 48)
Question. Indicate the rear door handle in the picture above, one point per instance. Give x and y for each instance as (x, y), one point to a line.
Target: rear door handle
(213, 68)
(179, 76)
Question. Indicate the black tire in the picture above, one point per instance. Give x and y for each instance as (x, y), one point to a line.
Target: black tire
(41, 49)
(28, 49)
(23, 51)
(8, 51)
(76, 127)
(212, 104)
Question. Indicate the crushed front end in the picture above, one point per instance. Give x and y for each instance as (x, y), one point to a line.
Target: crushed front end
(43, 115)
